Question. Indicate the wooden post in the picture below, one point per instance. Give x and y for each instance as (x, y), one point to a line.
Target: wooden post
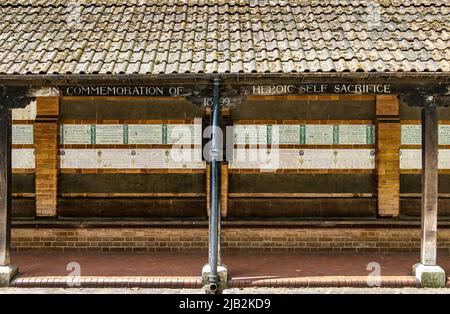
(7, 271)
(429, 183)
(5, 185)
(427, 272)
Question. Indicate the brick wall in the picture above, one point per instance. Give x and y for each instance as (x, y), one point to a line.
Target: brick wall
(388, 155)
(46, 154)
(244, 239)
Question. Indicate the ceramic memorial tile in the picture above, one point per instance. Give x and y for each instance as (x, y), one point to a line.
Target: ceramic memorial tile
(255, 158)
(186, 160)
(410, 159)
(318, 159)
(195, 161)
(144, 134)
(22, 134)
(77, 134)
(444, 159)
(311, 158)
(286, 134)
(444, 134)
(109, 134)
(23, 158)
(184, 134)
(115, 158)
(411, 134)
(288, 158)
(150, 158)
(250, 134)
(183, 155)
(355, 134)
(354, 159)
(79, 159)
(319, 134)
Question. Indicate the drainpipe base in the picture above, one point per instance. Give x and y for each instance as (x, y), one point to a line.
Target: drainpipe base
(222, 276)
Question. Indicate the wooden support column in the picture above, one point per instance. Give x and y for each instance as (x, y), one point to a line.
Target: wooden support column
(223, 187)
(429, 183)
(7, 270)
(13, 97)
(388, 140)
(5, 185)
(47, 155)
(427, 272)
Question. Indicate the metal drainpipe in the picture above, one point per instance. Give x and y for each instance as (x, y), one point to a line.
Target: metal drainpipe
(214, 187)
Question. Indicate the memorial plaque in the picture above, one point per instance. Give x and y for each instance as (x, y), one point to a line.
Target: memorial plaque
(289, 159)
(151, 158)
(255, 158)
(303, 159)
(168, 158)
(250, 134)
(354, 134)
(317, 159)
(115, 158)
(184, 134)
(79, 159)
(354, 159)
(144, 134)
(444, 159)
(76, 134)
(411, 134)
(22, 134)
(23, 158)
(109, 134)
(410, 159)
(444, 134)
(319, 134)
(286, 134)
(185, 159)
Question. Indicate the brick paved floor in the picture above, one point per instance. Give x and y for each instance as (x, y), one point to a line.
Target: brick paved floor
(228, 291)
(286, 265)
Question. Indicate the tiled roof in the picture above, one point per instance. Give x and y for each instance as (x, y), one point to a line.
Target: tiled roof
(194, 36)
